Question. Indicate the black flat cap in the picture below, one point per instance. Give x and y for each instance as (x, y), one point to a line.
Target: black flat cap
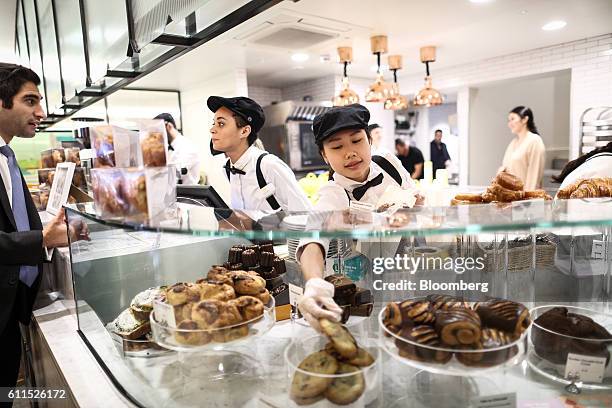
(167, 118)
(247, 108)
(353, 116)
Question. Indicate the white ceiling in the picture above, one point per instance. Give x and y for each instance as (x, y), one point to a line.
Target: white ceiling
(463, 31)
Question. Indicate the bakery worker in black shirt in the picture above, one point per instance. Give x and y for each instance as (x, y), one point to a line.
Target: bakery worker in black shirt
(439, 155)
(258, 180)
(411, 158)
(23, 240)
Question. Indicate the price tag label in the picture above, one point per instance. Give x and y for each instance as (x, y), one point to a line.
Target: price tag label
(495, 401)
(361, 207)
(295, 294)
(585, 368)
(164, 314)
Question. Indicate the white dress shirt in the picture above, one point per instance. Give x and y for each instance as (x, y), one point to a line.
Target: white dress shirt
(245, 191)
(333, 196)
(5, 174)
(185, 155)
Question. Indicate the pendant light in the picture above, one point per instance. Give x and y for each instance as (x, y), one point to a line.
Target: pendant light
(346, 96)
(396, 100)
(428, 96)
(379, 91)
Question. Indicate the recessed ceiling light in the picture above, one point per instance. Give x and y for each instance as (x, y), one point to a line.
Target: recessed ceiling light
(554, 25)
(299, 57)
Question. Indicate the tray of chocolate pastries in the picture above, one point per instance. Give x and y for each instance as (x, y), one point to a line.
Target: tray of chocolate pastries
(228, 306)
(564, 339)
(449, 335)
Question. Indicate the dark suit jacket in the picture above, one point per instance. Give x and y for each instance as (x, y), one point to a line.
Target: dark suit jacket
(18, 248)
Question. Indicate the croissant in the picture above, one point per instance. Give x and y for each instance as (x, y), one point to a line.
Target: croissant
(588, 188)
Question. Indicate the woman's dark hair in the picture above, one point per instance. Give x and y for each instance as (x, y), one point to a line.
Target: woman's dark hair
(523, 111)
(574, 164)
(242, 122)
(320, 146)
(12, 78)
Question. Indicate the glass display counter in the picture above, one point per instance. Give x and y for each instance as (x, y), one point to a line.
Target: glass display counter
(536, 253)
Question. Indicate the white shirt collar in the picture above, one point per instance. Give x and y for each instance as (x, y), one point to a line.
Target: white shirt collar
(246, 157)
(349, 184)
(2, 142)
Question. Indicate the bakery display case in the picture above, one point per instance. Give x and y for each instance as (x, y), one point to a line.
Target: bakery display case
(496, 290)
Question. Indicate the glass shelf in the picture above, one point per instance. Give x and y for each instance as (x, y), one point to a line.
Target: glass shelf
(418, 221)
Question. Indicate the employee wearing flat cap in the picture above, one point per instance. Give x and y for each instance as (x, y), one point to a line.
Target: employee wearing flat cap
(258, 180)
(182, 153)
(344, 141)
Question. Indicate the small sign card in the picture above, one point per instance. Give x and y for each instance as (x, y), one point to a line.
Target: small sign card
(585, 368)
(58, 196)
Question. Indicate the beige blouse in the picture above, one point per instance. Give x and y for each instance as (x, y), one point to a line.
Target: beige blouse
(525, 159)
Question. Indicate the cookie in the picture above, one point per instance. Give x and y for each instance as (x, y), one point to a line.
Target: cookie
(341, 338)
(362, 359)
(248, 285)
(188, 333)
(216, 290)
(308, 401)
(249, 307)
(346, 389)
(181, 293)
(264, 295)
(309, 386)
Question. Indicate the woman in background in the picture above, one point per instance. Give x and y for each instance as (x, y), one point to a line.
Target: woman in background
(525, 154)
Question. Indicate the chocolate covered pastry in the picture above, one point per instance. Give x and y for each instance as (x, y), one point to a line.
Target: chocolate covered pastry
(363, 310)
(250, 258)
(266, 259)
(504, 315)
(393, 315)
(279, 265)
(445, 302)
(490, 339)
(416, 311)
(458, 326)
(424, 335)
(273, 282)
(343, 286)
(235, 255)
(363, 296)
(267, 248)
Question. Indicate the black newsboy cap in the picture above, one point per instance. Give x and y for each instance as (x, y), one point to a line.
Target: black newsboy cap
(240, 105)
(339, 118)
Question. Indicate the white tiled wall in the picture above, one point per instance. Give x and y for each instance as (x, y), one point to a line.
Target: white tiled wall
(590, 61)
(320, 89)
(265, 95)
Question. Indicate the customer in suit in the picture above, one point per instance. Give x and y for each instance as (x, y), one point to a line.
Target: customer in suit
(23, 240)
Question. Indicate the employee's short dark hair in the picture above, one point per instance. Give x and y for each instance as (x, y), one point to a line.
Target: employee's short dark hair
(399, 142)
(242, 122)
(167, 118)
(373, 126)
(12, 78)
(438, 130)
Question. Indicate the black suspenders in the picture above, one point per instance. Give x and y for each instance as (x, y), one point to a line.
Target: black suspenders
(261, 181)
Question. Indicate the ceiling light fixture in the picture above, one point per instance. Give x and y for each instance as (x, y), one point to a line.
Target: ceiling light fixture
(428, 96)
(346, 96)
(379, 91)
(554, 25)
(396, 100)
(299, 57)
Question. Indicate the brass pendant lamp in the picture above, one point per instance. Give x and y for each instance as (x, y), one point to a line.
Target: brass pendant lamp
(396, 100)
(379, 91)
(428, 96)
(346, 96)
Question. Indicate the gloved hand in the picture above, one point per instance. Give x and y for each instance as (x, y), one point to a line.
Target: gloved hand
(317, 302)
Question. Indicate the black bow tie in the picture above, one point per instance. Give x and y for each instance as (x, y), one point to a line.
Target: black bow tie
(170, 147)
(359, 192)
(232, 169)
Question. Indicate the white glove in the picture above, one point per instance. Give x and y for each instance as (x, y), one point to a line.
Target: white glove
(317, 302)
